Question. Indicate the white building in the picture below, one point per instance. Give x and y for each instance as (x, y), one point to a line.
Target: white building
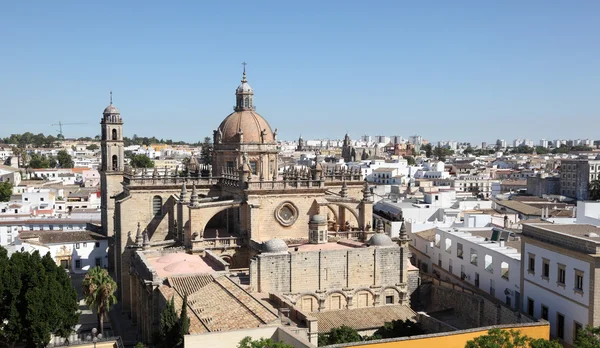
(10, 226)
(482, 257)
(76, 251)
(559, 265)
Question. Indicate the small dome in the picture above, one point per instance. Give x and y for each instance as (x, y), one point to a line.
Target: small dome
(181, 267)
(275, 246)
(111, 109)
(169, 258)
(244, 88)
(250, 123)
(318, 219)
(380, 239)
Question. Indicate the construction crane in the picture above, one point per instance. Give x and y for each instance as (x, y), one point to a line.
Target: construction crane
(60, 125)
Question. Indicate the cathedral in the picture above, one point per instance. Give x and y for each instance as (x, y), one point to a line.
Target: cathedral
(240, 226)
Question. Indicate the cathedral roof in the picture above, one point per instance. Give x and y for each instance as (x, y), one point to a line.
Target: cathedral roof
(111, 109)
(380, 239)
(251, 125)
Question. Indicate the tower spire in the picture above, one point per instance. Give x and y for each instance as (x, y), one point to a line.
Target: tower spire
(111, 97)
(244, 74)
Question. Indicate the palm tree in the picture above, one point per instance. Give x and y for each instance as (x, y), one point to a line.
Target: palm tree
(594, 190)
(99, 291)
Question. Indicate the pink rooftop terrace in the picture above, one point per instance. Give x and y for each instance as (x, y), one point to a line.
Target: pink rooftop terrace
(179, 263)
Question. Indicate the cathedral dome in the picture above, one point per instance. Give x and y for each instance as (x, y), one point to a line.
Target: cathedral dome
(380, 239)
(254, 127)
(111, 109)
(244, 88)
(275, 246)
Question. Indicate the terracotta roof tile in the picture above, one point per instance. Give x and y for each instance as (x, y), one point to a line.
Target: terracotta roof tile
(362, 318)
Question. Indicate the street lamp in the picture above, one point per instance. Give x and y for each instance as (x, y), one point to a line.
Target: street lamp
(95, 336)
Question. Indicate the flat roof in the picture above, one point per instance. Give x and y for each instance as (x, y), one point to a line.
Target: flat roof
(576, 230)
(179, 263)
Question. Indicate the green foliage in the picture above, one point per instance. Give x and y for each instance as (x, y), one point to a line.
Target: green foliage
(39, 161)
(441, 153)
(92, 147)
(428, 150)
(497, 338)
(587, 338)
(173, 327)
(99, 291)
(184, 321)
(524, 149)
(141, 161)
(206, 151)
(247, 342)
(168, 329)
(6, 190)
(469, 150)
(594, 190)
(27, 138)
(139, 345)
(37, 300)
(410, 160)
(64, 159)
(540, 150)
(398, 328)
(342, 334)
(136, 140)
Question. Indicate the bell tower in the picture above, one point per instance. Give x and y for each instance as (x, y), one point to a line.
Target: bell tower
(111, 168)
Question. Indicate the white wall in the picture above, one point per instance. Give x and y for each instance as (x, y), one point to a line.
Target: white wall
(541, 291)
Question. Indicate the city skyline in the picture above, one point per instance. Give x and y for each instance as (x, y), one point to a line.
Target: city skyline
(317, 71)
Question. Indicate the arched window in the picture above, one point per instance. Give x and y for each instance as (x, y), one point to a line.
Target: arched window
(115, 162)
(114, 134)
(156, 205)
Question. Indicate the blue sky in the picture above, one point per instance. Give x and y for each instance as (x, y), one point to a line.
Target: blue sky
(462, 70)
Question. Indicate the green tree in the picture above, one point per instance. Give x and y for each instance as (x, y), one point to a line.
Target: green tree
(587, 338)
(206, 151)
(247, 342)
(428, 150)
(141, 161)
(497, 338)
(64, 159)
(92, 147)
(342, 334)
(139, 345)
(594, 190)
(99, 291)
(184, 322)
(410, 160)
(37, 300)
(168, 328)
(398, 328)
(469, 150)
(6, 190)
(39, 161)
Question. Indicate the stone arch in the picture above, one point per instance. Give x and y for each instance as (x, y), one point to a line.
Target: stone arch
(308, 302)
(346, 207)
(200, 219)
(363, 297)
(335, 300)
(225, 220)
(393, 292)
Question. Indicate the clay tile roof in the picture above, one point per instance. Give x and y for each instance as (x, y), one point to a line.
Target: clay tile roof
(362, 318)
(520, 207)
(218, 304)
(59, 237)
(427, 234)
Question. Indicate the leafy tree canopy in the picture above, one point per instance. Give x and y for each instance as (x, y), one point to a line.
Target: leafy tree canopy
(99, 291)
(37, 300)
(64, 159)
(141, 161)
(410, 160)
(587, 338)
(6, 190)
(247, 342)
(398, 328)
(206, 151)
(497, 338)
(92, 147)
(342, 334)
